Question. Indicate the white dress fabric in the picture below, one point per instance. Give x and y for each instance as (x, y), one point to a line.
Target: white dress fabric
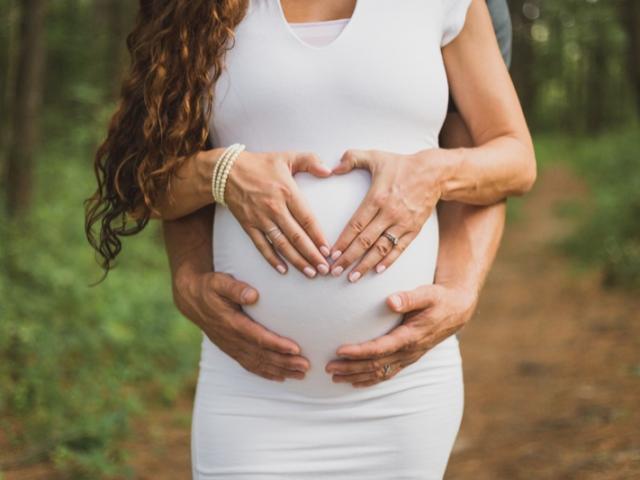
(378, 82)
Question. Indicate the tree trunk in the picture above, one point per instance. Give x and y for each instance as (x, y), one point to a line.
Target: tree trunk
(631, 20)
(114, 20)
(26, 102)
(597, 75)
(523, 58)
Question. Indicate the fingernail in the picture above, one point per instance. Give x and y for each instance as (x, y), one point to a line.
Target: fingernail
(380, 268)
(325, 250)
(336, 254)
(337, 271)
(247, 295)
(294, 351)
(354, 276)
(281, 269)
(309, 272)
(395, 301)
(323, 269)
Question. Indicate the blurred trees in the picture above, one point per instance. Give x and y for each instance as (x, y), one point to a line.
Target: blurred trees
(576, 62)
(26, 97)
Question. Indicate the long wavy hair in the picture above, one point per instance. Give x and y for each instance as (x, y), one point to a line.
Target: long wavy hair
(177, 50)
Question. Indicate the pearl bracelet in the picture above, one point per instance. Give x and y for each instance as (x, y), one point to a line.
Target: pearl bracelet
(222, 169)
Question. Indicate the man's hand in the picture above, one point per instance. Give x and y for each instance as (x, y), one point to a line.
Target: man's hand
(432, 313)
(213, 302)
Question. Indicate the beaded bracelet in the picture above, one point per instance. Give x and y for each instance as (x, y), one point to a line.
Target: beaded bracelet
(215, 177)
(222, 169)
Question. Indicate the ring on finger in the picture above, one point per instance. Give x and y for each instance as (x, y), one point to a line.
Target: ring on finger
(391, 237)
(274, 229)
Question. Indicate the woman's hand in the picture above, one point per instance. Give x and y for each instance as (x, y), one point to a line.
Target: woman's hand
(263, 196)
(404, 191)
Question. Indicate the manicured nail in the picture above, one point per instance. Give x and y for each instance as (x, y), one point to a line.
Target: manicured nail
(281, 269)
(247, 295)
(323, 269)
(380, 268)
(337, 271)
(309, 272)
(336, 254)
(325, 250)
(354, 276)
(395, 301)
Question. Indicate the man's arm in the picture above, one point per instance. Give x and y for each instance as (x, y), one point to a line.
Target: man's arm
(213, 300)
(469, 235)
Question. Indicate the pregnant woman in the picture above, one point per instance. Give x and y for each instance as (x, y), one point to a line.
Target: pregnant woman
(332, 167)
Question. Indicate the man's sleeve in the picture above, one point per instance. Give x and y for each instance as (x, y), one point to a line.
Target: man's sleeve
(501, 19)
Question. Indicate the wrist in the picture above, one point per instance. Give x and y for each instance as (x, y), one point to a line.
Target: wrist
(463, 283)
(443, 165)
(205, 164)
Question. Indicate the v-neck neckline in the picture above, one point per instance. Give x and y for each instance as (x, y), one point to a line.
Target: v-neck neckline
(335, 43)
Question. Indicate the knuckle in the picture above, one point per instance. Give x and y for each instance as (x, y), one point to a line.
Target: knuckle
(356, 225)
(380, 199)
(306, 222)
(272, 205)
(285, 192)
(365, 241)
(383, 248)
(296, 238)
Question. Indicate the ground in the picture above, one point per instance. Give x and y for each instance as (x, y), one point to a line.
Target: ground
(551, 364)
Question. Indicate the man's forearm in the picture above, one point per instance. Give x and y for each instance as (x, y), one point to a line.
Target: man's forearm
(469, 240)
(469, 235)
(188, 241)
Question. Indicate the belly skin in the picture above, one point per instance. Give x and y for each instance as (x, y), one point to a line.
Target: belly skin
(322, 313)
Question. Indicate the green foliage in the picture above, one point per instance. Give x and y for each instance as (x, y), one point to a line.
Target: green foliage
(609, 233)
(80, 360)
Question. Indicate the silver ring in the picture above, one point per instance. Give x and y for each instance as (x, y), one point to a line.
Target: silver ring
(392, 238)
(386, 369)
(271, 230)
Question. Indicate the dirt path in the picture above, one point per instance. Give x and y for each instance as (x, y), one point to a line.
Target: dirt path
(551, 361)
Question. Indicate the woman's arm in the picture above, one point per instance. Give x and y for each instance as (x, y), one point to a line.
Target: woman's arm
(406, 188)
(189, 188)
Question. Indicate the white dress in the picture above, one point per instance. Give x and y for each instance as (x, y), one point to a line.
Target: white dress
(380, 84)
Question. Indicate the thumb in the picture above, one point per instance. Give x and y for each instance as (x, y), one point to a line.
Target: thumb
(351, 159)
(419, 298)
(233, 290)
(310, 163)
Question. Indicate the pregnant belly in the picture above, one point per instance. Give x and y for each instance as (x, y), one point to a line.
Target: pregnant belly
(322, 313)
